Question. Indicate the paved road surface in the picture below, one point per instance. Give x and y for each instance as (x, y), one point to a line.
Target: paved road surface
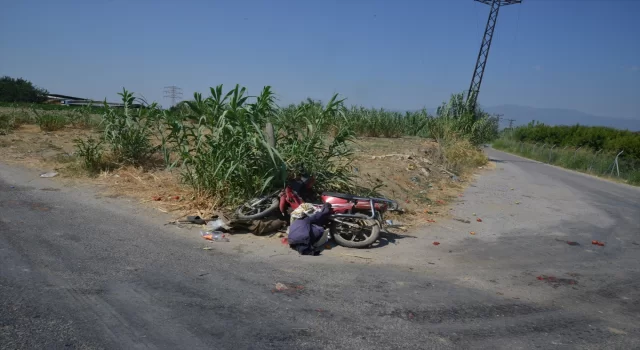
(78, 270)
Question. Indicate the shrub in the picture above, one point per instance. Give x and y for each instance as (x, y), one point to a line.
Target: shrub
(50, 121)
(7, 123)
(90, 152)
(223, 150)
(128, 130)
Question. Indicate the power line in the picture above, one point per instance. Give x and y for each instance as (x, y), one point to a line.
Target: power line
(174, 93)
(510, 122)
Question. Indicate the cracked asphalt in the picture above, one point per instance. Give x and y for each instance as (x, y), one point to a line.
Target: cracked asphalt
(79, 270)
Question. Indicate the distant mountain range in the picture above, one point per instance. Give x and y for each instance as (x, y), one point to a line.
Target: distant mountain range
(558, 116)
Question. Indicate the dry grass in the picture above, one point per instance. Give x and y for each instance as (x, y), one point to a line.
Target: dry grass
(413, 175)
(160, 189)
(411, 170)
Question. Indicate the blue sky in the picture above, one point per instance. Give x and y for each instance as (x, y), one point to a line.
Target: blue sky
(581, 55)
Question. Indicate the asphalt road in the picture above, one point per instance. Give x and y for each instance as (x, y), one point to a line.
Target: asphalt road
(79, 270)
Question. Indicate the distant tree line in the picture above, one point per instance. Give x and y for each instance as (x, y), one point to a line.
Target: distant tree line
(594, 137)
(20, 90)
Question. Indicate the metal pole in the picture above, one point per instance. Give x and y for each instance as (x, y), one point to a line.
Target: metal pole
(615, 162)
(483, 54)
(593, 160)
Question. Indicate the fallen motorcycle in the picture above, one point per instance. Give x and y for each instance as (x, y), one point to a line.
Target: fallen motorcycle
(355, 221)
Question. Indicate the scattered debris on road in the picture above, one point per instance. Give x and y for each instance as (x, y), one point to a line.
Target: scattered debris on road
(465, 221)
(479, 220)
(436, 243)
(557, 282)
(357, 256)
(573, 243)
(215, 236)
(49, 174)
(281, 287)
(594, 242)
(472, 232)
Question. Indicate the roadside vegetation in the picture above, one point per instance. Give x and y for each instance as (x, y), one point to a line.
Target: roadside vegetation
(599, 151)
(229, 146)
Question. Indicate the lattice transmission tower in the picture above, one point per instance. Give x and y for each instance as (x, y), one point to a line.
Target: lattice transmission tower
(174, 93)
(478, 72)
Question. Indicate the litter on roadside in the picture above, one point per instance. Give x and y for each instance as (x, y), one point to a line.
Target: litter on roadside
(479, 220)
(472, 233)
(215, 236)
(436, 243)
(465, 221)
(216, 225)
(594, 242)
(49, 174)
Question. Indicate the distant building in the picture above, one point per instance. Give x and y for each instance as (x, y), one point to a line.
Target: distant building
(79, 101)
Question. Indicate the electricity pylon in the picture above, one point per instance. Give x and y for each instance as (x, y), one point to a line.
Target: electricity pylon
(478, 72)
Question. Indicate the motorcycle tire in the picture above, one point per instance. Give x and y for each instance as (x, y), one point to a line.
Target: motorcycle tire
(273, 208)
(374, 235)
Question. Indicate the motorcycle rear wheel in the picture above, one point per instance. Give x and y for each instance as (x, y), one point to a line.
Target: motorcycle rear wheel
(258, 208)
(351, 237)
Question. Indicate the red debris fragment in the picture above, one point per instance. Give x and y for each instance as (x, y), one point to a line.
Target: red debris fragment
(436, 243)
(572, 243)
(430, 220)
(284, 241)
(601, 244)
(440, 201)
(156, 198)
(176, 198)
(540, 278)
(594, 242)
(479, 220)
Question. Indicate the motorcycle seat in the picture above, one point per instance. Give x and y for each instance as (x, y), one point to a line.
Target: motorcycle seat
(339, 195)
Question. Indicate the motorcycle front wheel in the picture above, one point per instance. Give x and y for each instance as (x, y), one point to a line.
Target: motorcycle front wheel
(258, 208)
(348, 235)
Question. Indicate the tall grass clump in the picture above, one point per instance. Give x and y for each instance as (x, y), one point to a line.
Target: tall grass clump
(315, 138)
(221, 146)
(457, 119)
(50, 121)
(370, 122)
(90, 152)
(128, 130)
